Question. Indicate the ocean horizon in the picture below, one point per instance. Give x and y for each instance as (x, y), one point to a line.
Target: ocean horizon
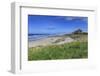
(37, 36)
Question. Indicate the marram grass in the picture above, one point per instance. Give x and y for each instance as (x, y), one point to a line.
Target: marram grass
(73, 50)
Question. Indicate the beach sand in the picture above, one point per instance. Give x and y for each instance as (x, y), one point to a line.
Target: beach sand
(50, 41)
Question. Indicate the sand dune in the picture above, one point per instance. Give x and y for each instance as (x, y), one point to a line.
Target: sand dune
(50, 41)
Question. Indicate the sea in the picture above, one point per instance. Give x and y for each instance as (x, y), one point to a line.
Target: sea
(34, 37)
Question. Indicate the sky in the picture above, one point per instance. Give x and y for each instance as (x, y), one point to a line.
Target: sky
(43, 24)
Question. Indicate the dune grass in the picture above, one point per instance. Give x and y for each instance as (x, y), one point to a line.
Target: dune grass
(73, 50)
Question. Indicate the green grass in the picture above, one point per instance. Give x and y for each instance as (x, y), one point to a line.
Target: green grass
(71, 50)
(79, 37)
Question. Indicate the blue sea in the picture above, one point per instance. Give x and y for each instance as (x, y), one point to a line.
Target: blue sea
(34, 37)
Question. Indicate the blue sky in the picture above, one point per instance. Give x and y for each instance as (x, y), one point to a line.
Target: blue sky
(56, 24)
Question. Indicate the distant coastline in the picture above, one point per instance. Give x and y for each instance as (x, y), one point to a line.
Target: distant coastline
(38, 36)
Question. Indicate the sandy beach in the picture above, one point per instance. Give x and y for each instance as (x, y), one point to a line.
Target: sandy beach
(50, 41)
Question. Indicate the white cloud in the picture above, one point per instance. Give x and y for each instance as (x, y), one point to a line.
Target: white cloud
(69, 18)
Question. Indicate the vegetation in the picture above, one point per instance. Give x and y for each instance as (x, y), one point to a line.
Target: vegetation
(71, 50)
(80, 37)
